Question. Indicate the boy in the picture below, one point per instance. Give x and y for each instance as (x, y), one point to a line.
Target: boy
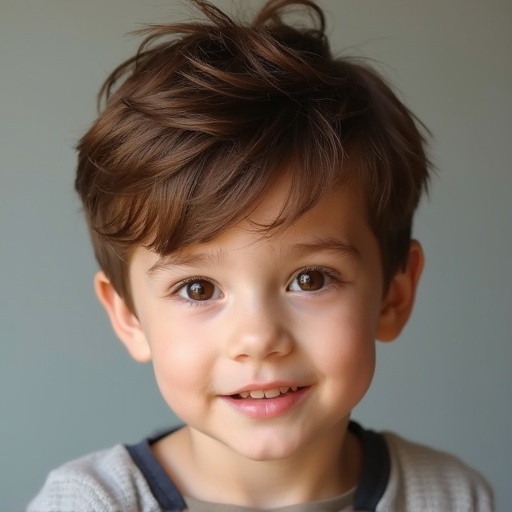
(250, 201)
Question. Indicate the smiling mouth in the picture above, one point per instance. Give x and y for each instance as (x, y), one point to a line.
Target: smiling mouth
(267, 393)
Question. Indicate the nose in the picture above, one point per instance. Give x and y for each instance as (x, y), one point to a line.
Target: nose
(259, 330)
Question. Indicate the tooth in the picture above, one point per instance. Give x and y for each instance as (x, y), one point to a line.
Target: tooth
(244, 394)
(272, 393)
(294, 388)
(257, 393)
(284, 389)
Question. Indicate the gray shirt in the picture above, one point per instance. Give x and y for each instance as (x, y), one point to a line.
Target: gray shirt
(397, 475)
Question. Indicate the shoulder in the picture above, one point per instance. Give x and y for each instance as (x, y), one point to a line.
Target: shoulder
(422, 478)
(103, 481)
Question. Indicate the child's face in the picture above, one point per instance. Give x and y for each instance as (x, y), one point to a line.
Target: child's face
(293, 315)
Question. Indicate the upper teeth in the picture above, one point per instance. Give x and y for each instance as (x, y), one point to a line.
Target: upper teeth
(267, 393)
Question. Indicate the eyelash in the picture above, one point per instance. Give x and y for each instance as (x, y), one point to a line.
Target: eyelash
(174, 291)
(334, 276)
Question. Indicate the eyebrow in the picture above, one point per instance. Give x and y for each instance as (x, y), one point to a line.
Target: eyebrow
(325, 245)
(179, 259)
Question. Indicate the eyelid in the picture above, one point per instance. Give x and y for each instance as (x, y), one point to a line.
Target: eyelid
(183, 282)
(176, 288)
(334, 276)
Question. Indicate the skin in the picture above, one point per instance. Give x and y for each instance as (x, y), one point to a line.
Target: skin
(244, 312)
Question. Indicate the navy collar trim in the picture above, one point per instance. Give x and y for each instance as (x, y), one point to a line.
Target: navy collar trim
(375, 471)
(161, 485)
(372, 484)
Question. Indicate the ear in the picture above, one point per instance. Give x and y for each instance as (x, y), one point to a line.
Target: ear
(124, 322)
(398, 302)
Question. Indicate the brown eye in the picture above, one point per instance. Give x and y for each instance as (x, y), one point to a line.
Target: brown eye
(308, 281)
(198, 290)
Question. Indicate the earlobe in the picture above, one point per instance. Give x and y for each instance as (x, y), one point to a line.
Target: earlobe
(123, 320)
(399, 300)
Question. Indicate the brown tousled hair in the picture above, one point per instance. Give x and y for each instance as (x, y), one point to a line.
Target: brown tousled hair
(200, 124)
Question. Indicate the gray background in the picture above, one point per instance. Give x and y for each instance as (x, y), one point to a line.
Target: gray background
(66, 385)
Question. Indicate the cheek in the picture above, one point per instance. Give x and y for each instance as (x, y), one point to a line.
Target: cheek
(182, 361)
(344, 356)
(348, 367)
(345, 347)
(182, 380)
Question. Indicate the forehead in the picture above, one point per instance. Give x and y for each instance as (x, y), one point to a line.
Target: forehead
(336, 223)
(340, 201)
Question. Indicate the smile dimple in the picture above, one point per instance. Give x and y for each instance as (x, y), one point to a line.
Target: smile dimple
(267, 393)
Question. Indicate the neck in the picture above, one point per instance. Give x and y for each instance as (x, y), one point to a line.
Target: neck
(208, 470)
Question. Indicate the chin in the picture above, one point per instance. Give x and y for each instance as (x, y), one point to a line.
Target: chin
(268, 449)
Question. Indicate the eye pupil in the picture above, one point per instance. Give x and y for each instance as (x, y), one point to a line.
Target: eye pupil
(311, 280)
(200, 290)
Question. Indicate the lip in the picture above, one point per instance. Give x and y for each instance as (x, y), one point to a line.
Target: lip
(266, 386)
(265, 408)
